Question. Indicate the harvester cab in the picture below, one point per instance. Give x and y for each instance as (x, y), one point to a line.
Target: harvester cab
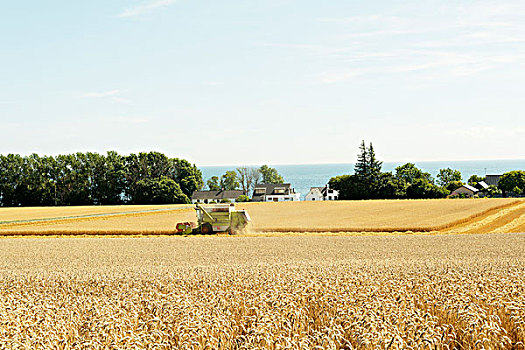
(215, 219)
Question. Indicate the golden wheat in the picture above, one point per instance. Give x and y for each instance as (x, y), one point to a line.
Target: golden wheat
(379, 215)
(438, 292)
(481, 215)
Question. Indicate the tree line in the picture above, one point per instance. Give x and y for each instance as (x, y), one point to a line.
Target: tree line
(245, 179)
(408, 181)
(96, 179)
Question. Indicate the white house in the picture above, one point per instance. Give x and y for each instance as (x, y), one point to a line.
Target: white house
(322, 194)
(275, 193)
(215, 196)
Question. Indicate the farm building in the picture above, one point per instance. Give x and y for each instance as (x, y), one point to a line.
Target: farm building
(482, 187)
(215, 196)
(275, 193)
(467, 190)
(322, 194)
(492, 180)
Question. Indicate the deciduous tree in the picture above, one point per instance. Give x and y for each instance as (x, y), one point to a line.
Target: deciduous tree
(270, 175)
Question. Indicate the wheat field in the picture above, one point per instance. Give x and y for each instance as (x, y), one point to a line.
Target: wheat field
(35, 213)
(389, 292)
(342, 217)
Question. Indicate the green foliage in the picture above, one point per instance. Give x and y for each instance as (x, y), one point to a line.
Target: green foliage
(229, 181)
(350, 187)
(512, 182)
(422, 188)
(242, 198)
(367, 168)
(454, 185)
(187, 175)
(390, 187)
(89, 178)
(474, 179)
(370, 183)
(493, 191)
(270, 175)
(248, 178)
(409, 172)
(161, 190)
(213, 184)
(368, 173)
(448, 175)
(225, 200)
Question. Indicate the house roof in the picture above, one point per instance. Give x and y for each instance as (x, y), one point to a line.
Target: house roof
(270, 188)
(316, 188)
(324, 190)
(216, 195)
(472, 188)
(482, 185)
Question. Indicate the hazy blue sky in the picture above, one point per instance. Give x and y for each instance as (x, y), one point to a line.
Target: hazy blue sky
(264, 81)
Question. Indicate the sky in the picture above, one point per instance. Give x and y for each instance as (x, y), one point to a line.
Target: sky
(264, 81)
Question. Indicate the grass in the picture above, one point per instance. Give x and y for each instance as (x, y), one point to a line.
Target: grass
(297, 217)
(397, 292)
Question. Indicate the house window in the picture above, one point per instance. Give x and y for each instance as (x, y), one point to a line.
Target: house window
(279, 190)
(260, 191)
(313, 199)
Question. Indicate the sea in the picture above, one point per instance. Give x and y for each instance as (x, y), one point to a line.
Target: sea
(304, 176)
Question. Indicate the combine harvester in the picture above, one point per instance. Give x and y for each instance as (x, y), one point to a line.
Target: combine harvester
(218, 218)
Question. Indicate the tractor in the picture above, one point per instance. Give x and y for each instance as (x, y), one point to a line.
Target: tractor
(215, 218)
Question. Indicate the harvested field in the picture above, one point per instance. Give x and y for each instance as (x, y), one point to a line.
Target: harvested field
(36, 213)
(472, 215)
(396, 292)
(162, 222)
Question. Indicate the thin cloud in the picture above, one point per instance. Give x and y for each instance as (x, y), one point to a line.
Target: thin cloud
(145, 8)
(474, 39)
(114, 95)
(103, 94)
(131, 120)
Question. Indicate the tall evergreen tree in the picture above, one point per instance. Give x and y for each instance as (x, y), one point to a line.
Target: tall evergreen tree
(374, 165)
(361, 167)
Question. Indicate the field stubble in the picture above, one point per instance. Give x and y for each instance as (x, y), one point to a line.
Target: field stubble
(440, 292)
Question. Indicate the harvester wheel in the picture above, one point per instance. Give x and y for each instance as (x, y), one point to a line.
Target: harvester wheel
(206, 228)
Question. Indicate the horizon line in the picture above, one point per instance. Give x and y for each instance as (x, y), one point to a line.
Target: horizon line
(351, 163)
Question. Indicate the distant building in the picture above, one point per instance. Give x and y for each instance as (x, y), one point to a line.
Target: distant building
(482, 186)
(322, 194)
(275, 193)
(492, 180)
(467, 190)
(206, 197)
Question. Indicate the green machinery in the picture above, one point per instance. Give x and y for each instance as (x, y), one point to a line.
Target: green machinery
(215, 219)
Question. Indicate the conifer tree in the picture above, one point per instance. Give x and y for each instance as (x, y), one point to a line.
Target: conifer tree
(361, 167)
(374, 165)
